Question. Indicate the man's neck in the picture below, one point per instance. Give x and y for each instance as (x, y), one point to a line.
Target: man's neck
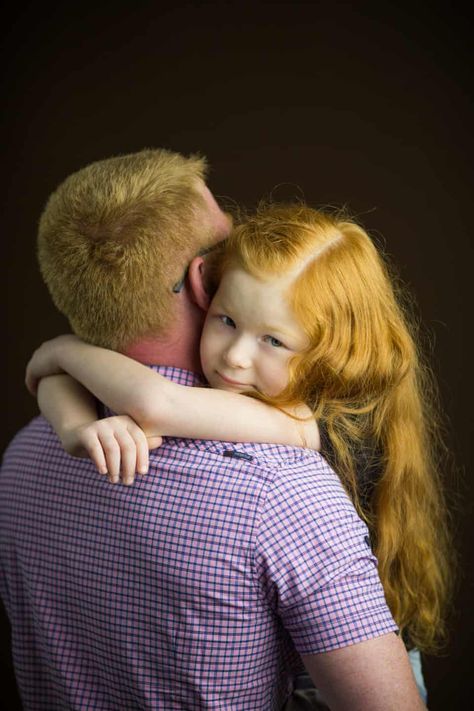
(156, 352)
(178, 347)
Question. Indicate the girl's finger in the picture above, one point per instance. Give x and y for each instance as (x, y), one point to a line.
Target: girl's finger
(142, 450)
(111, 450)
(154, 441)
(128, 454)
(94, 449)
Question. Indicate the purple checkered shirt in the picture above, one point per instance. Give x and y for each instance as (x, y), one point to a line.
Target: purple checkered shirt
(196, 588)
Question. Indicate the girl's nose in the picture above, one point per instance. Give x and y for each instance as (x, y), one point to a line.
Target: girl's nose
(238, 354)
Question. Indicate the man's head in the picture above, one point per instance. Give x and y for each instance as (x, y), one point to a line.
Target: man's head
(117, 235)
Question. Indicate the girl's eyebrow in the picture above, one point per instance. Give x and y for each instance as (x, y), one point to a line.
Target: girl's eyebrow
(222, 306)
(292, 340)
(268, 328)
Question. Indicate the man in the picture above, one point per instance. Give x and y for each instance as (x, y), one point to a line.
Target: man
(197, 587)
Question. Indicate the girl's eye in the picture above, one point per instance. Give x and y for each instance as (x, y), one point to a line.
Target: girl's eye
(274, 342)
(227, 321)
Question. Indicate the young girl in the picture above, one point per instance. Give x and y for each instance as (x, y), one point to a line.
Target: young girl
(307, 321)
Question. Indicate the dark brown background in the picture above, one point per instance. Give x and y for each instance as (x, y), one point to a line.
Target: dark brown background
(358, 104)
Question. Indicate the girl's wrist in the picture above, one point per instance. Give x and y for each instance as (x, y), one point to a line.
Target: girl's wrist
(70, 438)
(64, 349)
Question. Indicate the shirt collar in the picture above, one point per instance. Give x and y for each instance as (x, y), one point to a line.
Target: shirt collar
(179, 375)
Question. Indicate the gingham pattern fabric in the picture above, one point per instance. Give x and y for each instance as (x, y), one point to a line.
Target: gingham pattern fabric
(190, 590)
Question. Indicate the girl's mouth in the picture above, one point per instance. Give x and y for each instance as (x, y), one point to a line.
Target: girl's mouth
(230, 381)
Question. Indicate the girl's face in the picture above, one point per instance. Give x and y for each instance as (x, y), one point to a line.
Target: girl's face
(250, 334)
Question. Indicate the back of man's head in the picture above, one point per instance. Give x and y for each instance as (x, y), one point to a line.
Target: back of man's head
(115, 236)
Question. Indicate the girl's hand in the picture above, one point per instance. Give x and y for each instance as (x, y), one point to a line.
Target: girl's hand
(44, 361)
(117, 446)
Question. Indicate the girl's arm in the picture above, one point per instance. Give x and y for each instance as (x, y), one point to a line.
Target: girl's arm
(160, 406)
(67, 406)
(116, 445)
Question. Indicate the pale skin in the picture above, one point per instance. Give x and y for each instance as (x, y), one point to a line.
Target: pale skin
(248, 339)
(374, 675)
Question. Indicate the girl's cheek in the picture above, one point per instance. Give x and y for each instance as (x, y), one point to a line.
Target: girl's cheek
(204, 345)
(276, 374)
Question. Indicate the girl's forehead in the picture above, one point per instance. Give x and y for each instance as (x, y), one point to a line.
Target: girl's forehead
(261, 304)
(238, 281)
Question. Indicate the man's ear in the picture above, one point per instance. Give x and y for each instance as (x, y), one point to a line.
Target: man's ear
(196, 282)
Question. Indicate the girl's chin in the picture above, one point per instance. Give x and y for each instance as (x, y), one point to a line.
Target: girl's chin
(221, 384)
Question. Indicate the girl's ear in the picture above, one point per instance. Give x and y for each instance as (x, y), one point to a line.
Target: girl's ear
(197, 289)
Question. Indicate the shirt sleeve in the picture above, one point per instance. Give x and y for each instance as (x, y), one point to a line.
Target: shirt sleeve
(314, 563)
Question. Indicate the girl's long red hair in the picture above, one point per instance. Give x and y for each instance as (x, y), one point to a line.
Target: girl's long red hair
(367, 383)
